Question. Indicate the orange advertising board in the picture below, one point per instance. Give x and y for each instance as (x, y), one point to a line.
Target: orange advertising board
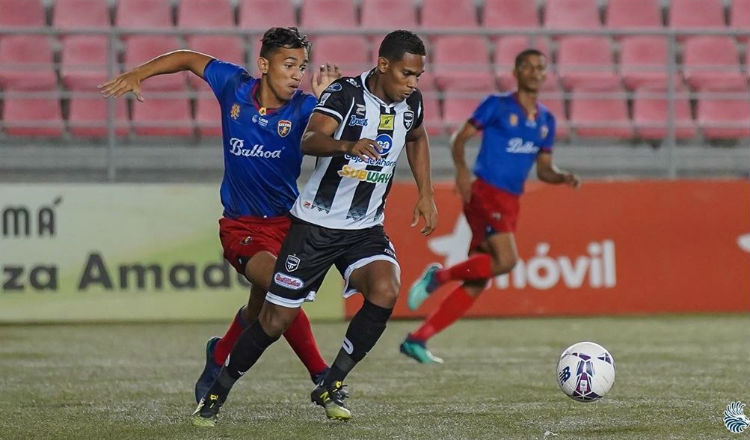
(608, 248)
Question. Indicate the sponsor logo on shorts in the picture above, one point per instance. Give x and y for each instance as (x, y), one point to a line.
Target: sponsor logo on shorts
(389, 251)
(365, 175)
(292, 263)
(287, 281)
(247, 240)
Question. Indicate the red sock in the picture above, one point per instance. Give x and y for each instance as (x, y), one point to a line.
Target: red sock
(226, 343)
(453, 307)
(476, 267)
(300, 337)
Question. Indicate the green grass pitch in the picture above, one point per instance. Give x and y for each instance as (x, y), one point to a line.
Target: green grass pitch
(675, 376)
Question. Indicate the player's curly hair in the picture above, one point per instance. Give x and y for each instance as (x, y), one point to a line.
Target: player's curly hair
(521, 57)
(286, 37)
(397, 43)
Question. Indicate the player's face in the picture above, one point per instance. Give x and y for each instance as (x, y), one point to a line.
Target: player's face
(531, 74)
(400, 77)
(284, 69)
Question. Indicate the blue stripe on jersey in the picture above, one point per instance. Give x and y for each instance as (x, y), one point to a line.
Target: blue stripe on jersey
(262, 156)
(510, 141)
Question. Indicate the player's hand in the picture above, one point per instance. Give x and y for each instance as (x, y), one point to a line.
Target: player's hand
(365, 149)
(324, 77)
(463, 183)
(122, 84)
(572, 180)
(426, 209)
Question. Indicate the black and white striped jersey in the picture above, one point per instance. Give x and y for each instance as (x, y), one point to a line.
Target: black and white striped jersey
(344, 191)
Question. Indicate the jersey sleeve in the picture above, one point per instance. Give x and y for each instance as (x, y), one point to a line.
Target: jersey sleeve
(335, 100)
(307, 107)
(218, 73)
(418, 105)
(549, 140)
(485, 113)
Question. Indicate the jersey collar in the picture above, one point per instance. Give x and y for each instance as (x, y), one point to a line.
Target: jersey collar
(363, 78)
(514, 95)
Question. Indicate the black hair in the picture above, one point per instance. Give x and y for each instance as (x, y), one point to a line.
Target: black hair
(397, 43)
(521, 57)
(283, 37)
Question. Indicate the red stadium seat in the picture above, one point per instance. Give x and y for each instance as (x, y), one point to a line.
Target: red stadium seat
(205, 14)
(643, 61)
(327, 14)
(571, 15)
(433, 120)
(76, 14)
(26, 63)
(725, 117)
(462, 63)
(442, 14)
(88, 116)
(142, 48)
(426, 82)
(144, 14)
(506, 49)
(586, 62)
(505, 14)
(388, 14)
(350, 52)
(21, 13)
(221, 47)
(555, 103)
(711, 62)
(629, 14)
(739, 19)
(458, 108)
(696, 14)
(162, 116)
(32, 116)
(83, 64)
(604, 116)
(650, 110)
(258, 14)
(207, 113)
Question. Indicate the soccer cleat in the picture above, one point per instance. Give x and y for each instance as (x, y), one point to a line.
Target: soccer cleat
(423, 287)
(208, 408)
(331, 398)
(417, 351)
(210, 371)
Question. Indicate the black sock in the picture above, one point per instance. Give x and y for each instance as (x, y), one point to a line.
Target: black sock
(364, 331)
(252, 342)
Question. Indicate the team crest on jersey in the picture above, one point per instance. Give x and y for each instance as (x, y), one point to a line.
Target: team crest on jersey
(283, 127)
(234, 113)
(292, 263)
(544, 131)
(513, 120)
(408, 119)
(386, 122)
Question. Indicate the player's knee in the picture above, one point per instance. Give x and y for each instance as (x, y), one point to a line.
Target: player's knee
(504, 265)
(384, 292)
(274, 323)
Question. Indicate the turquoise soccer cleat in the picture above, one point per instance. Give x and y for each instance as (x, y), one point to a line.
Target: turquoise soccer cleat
(423, 287)
(419, 352)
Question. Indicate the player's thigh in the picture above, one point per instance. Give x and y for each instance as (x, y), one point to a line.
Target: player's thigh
(502, 246)
(254, 303)
(379, 282)
(259, 269)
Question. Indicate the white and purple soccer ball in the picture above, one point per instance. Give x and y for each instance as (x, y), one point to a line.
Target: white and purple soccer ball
(585, 371)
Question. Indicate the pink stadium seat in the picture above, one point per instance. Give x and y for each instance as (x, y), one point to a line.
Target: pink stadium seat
(205, 14)
(225, 48)
(739, 18)
(21, 13)
(26, 63)
(32, 116)
(162, 117)
(458, 108)
(433, 120)
(350, 52)
(207, 113)
(83, 64)
(462, 63)
(643, 61)
(571, 15)
(650, 110)
(144, 14)
(327, 14)
(553, 99)
(426, 82)
(710, 62)
(506, 49)
(258, 14)
(696, 14)
(76, 14)
(586, 62)
(505, 14)
(725, 118)
(630, 14)
(441, 14)
(142, 48)
(88, 116)
(600, 116)
(388, 14)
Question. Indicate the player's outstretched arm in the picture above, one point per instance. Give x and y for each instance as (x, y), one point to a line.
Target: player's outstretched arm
(546, 171)
(327, 74)
(171, 62)
(418, 153)
(317, 140)
(458, 146)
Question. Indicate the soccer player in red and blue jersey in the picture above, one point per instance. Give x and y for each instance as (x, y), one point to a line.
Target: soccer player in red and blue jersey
(262, 123)
(517, 132)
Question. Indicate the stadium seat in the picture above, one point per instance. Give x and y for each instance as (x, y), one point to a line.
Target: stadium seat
(21, 13)
(427, 82)
(163, 116)
(349, 52)
(327, 14)
(76, 14)
(696, 14)
(142, 48)
(629, 14)
(725, 117)
(650, 113)
(26, 63)
(444, 14)
(433, 120)
(505, 14)
(143, 14)
(586, 62)
(739, 19)
(506, 49)
(554, 101)
(257, 14)
(222, 47)
(458, 107)
(462, 63)
(83, 63)
(711, 62)
(32, 116)
(571, 15)
(600, 114)
(205, 14)
(643, 61)
(207, 113)
(388, 14)
(88, 116)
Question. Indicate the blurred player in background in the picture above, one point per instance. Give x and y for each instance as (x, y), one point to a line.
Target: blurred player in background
(358, 130)
(262, 123)
(518, 131)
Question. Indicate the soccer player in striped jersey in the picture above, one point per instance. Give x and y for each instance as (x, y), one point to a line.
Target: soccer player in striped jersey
(358, 129)
(262, 122)
(517, 132)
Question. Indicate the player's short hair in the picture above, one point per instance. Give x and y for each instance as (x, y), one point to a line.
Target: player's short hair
(397, 43)
(283, 37)
(521, 57)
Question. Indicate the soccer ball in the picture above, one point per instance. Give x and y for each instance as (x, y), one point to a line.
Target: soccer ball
(585, 371)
